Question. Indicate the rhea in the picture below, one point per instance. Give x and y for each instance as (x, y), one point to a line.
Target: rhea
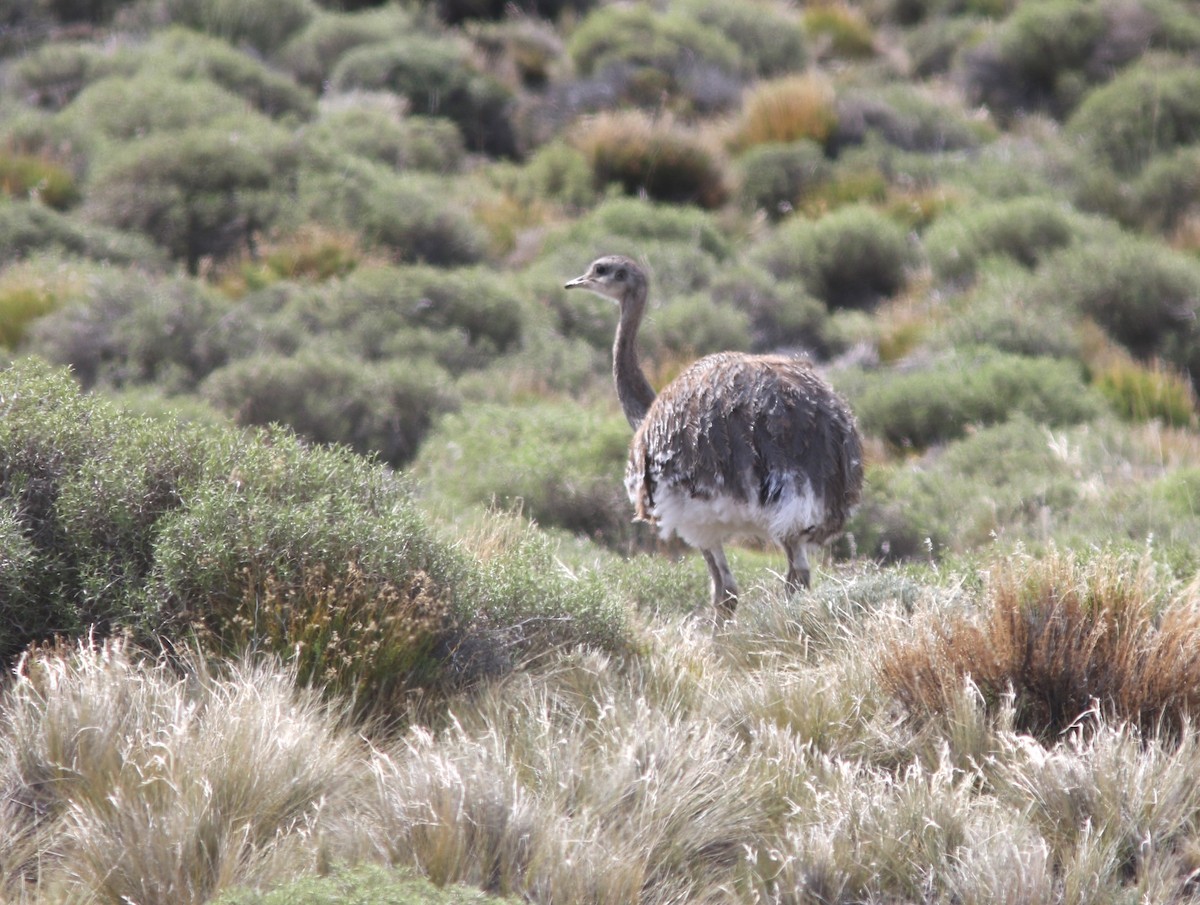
(737, 445)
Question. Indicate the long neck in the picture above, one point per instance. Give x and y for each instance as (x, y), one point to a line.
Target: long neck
(633, 389)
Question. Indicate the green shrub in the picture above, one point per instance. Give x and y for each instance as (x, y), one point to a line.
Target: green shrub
(312, 53)
(191, 57)
(1041, 58)
(919, 408)
(770, 39)
(839, 30)
(1143, 112)
(653, 158)
(434, 74)
(415, 217)
(264, 25)
(849, 259)
(1143, 294)
(27, 228)
(695, 325)
(125, 108)
(904, 118)
(934, 45)
(380, 408)
(203, 192)
(560, 463)
(776, 177)
(1167, 191)
(51, 76)
(557, 172)
(1024, 230)
(376, 134)
(1140, 393)
(37, 178)
(123, 328)
(659, 50)
(781, 314)
(999, 313)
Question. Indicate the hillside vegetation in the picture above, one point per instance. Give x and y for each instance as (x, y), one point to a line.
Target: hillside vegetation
(317, 578)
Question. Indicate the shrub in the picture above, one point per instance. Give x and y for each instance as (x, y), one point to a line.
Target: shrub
(437, 79)
(650, 54)
(934, 45)
(770, 39)
(191, 57)
(1024, 230)
(379, 135)
(695, 325)
(264, 25)
(1167, 191)
(1143, 112)
(312, 54)
(922, 407)
(35, 177)
(123, 328)
(411, 215)
(839, 30)
(903, 118)
(1142, 393)
(560, 463)
(781, 314)
(123, 109)
(1040, 58)
(1066, 639)
(31, 290)
(999, 313)
(557, 172)
(776, 177)
(848, 259)
(51, 76)
(1144, 295)
(27, 228)
(788, 109)
(380, 408)
(203, 192)
(655, 158)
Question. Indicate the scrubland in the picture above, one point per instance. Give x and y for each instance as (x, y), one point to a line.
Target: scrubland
(317, 580)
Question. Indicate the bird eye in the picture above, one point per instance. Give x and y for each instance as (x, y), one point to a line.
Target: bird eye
(620, 275)
(601, 270)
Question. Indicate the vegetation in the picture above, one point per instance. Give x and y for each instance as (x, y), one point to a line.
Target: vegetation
(317, 578)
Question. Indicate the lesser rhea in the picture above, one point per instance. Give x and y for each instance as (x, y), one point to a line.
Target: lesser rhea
(736, 445)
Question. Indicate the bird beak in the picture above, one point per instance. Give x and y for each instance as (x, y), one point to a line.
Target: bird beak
(577, 282)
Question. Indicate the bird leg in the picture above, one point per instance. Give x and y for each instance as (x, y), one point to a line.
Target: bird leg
(724, 586)
(798, 576)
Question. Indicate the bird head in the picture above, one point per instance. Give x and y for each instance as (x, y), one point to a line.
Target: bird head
(615, 277)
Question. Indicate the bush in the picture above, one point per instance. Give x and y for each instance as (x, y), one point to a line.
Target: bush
(312, 54)
(1167, 191)
(1068, 640)
(35, 177)
(781, 314)
(1141, 393)
(436, 77)
(204, 192)
(770, 39)
(776, 177)
(264, 25)
(849, 259)
(1024, 230)
(31, 290)
(51, 76)
(654, 158)
(647, 55)
(1144, 295)
(123, 109)
(413, 216)
(27, 228)
(839, 30)
(191, 57)
(1143, 112)
(1041, 58)
(999, 313)
(381, 136)
(922, 407)
(123, 328)
(789, 109)
(903, 118)
(561, 464)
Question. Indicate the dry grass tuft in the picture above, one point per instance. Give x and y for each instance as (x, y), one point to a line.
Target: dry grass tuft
(787, 109)
(1068, 640)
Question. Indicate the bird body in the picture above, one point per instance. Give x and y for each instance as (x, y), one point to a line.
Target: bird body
(737, 445)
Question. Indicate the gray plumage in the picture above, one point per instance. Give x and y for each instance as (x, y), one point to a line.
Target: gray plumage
(754, 445)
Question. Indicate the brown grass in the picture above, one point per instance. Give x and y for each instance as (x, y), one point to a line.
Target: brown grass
(787, 109)
(1066, 639)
